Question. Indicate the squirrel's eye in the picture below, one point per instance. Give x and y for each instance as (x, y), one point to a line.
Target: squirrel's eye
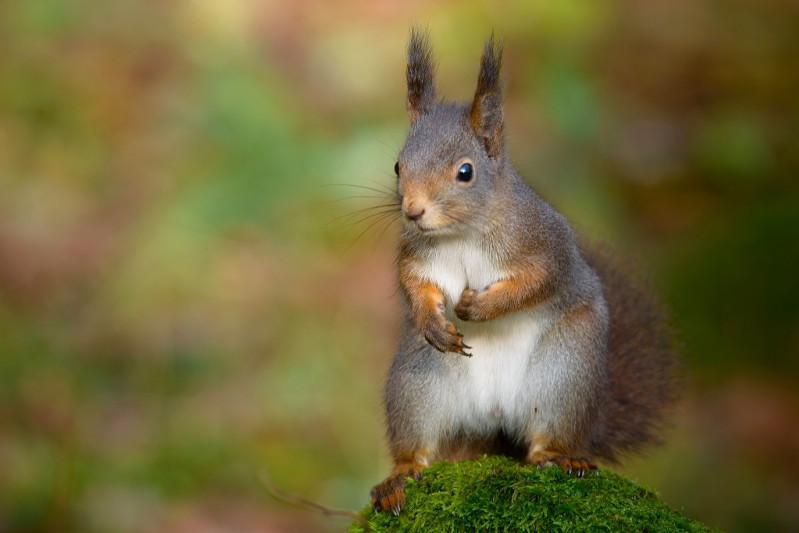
(396, 168)
(465, 173)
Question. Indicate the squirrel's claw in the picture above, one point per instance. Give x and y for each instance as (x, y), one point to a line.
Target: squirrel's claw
(444, 337)
(576, 466)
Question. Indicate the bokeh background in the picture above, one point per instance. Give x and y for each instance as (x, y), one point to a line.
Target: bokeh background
(190, 303)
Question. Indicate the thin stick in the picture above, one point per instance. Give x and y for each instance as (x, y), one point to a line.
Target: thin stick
(298, 501)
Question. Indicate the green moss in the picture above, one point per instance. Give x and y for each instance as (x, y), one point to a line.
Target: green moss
(498, 494)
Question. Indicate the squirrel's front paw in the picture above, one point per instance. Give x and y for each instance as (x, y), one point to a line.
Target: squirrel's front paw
(444, 337)
(469, 306)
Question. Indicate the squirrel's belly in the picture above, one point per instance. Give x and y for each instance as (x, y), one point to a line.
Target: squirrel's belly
(504, 385)
(509, 383)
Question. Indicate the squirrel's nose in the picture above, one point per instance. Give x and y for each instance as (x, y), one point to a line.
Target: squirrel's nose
(414, 212)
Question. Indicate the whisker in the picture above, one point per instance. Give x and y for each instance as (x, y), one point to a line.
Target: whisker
(389, 189)
(370, 226)
(356, 197)
(371, 215)
(391, 220)
(364, 187)
(357, 212)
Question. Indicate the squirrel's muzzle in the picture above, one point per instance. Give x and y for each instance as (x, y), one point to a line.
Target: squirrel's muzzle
(413, 210)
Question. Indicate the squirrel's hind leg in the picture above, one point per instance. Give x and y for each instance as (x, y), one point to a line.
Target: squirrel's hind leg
(389, 495)
(543, 452)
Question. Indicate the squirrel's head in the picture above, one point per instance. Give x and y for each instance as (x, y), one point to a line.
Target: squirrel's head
(454, 156)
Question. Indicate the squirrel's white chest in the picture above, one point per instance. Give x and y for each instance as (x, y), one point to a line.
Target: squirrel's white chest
(455, 265)
(494, 387)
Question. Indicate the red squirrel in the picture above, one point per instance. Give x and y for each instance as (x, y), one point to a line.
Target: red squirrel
(516, 339)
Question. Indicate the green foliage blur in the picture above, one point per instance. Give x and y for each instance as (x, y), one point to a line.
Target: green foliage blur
(192, 309)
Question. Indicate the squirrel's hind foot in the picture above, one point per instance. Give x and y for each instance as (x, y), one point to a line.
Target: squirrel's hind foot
(577, 466)
(390, 494)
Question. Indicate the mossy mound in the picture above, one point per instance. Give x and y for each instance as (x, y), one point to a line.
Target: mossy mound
(498, 494)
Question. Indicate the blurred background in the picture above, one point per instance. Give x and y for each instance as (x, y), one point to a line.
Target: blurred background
(191, 304)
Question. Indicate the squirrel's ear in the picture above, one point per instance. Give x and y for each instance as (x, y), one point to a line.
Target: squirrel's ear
(421, 90)
(486, 111)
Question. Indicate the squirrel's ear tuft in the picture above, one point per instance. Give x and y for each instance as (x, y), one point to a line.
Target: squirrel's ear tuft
(486, 111)
(421, 90)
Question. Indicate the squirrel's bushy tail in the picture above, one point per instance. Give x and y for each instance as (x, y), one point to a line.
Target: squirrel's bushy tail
(642, 362)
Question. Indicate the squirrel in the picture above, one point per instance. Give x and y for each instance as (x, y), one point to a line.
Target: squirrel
(516, 339)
